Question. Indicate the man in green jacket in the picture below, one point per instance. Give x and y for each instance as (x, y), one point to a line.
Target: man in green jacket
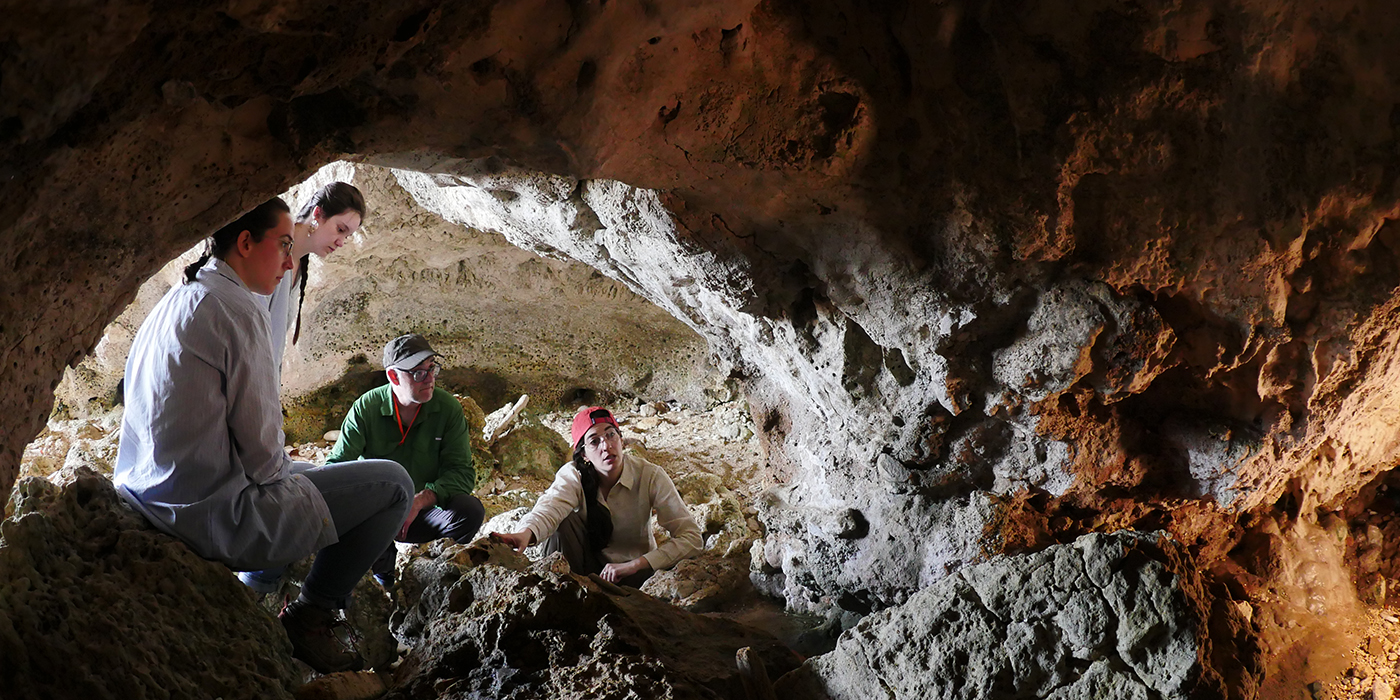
(412, 422)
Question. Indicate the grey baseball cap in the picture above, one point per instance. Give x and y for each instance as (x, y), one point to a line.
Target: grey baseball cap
(407, 351)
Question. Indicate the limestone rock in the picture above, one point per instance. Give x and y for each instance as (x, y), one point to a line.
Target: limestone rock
(531, 449)
(702, 583)
(500, 627)
(348, 685)
(483, 460)
(717, 512)
(1102, 617)
(503, 419)
(94, 602)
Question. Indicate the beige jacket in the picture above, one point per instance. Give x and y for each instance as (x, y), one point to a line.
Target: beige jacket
(642, 487)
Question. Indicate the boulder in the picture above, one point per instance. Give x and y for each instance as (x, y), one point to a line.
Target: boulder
(1108, 616)
(489, 623)
(96, 603)
(531, 449)
(703, 583)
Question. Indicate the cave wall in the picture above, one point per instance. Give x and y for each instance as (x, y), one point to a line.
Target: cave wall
(975, 261)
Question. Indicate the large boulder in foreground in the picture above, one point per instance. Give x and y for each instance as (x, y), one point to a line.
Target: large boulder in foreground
(1108, 616)
(487, 623)
(95, 603)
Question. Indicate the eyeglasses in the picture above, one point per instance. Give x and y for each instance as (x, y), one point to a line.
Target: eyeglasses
(609, 433)
(421, 375)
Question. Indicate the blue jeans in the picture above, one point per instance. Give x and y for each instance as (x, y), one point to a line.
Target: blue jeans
(368, 500)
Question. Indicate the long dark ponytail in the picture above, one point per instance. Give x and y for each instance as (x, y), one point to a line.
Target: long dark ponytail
(335, 198)
(599, 523)
(258, 221)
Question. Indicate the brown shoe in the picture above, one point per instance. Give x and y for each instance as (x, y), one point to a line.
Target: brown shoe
(312, 631)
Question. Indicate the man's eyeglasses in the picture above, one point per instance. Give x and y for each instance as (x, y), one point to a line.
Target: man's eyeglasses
(421, 375)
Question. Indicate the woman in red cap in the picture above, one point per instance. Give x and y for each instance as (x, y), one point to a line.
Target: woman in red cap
(598, 510)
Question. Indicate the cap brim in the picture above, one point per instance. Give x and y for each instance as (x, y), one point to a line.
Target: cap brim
(412, 360)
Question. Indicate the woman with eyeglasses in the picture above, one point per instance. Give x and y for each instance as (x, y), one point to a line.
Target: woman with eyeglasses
(598, 510)
(201, 441)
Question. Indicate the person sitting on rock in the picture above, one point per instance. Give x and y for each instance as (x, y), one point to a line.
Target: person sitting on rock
(412, 422)
(598, 510)
(326, 219)
(200, 453)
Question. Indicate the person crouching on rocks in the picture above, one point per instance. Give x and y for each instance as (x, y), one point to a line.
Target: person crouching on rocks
(411, 421)
(598, 510)
(201, 452)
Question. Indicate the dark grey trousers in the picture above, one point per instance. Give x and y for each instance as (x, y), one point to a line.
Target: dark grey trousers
(571, 539)
(459, 519)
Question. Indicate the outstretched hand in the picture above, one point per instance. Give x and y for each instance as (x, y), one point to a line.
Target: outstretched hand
(517, 540)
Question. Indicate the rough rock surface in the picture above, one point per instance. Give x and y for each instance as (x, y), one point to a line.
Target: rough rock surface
(485, 622)
(95, 603)
(531, 449)
(1104, 617)
(874, 214)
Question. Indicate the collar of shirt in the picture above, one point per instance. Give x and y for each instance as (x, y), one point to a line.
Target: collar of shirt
(630, 474)
(223, 269)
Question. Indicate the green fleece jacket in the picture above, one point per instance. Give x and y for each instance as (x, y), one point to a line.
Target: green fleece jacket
(437, 453)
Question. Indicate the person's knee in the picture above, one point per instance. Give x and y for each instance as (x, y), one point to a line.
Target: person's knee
(467, 506)
(398, 476)
(467, 515)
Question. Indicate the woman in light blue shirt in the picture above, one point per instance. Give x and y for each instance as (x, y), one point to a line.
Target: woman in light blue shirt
(323, 224)
(201, 443)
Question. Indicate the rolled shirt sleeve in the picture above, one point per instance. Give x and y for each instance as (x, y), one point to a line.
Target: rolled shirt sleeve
(675, 518)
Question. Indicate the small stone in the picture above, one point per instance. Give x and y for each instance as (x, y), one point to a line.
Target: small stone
(331, 436)
(1359, 671)
(1381, 690)
(1246, 610)
(647, 410)
(1375, 647)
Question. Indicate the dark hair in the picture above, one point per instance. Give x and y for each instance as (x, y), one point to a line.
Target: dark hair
(258, 222)
(335, 198)
(599, 524)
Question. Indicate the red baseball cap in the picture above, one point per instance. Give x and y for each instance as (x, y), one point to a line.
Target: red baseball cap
(589, 416)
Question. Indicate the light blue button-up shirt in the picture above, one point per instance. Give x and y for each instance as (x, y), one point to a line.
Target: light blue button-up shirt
(201, 444)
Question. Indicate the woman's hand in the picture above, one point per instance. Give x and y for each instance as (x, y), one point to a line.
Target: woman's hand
(612, 573)
(517, 540)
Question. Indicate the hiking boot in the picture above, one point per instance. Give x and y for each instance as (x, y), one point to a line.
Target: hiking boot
(312, 631)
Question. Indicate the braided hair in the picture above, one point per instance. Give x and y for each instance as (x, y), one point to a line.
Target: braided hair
(335, 198)
(258, 222)
(599, 523)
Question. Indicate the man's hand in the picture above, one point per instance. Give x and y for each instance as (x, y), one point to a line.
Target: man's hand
(421, 500)
(612, 573)
(517, 540)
